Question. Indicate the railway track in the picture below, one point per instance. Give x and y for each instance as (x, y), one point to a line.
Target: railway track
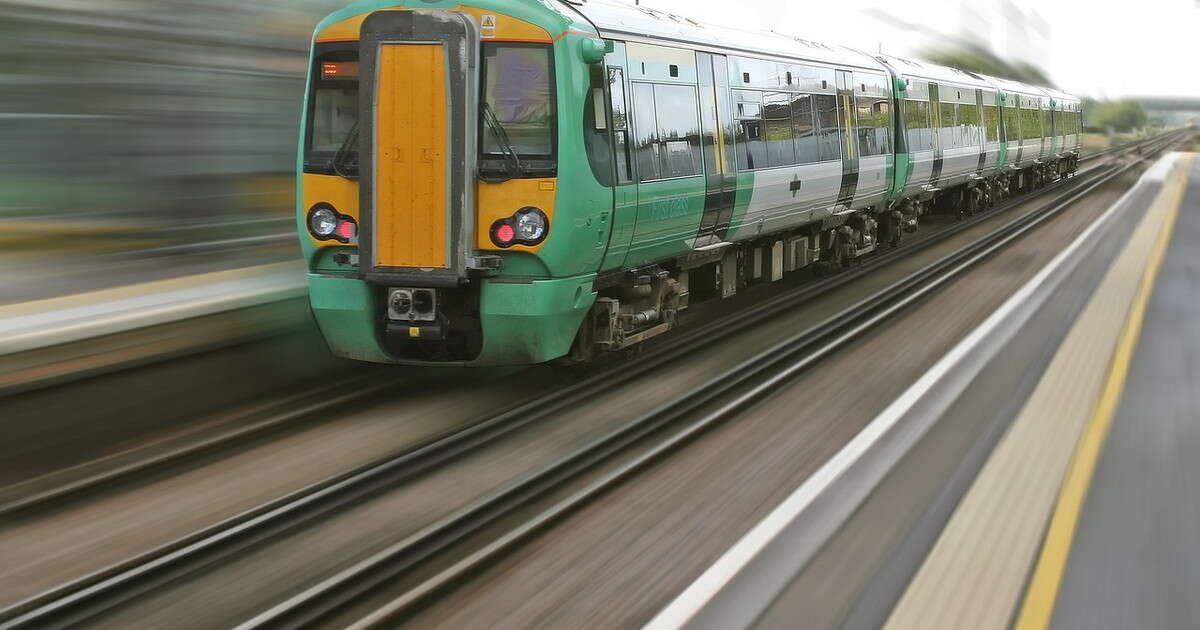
(723, 397)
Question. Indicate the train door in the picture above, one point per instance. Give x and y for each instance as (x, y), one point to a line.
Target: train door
(1043, 124)
(848, 121)
(982, 119)
(1055, 144)
(935, 124)
(624, 188)
(665, 113)
(716, 141)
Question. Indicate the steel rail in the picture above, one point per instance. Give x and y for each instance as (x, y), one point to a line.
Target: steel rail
(91, 594)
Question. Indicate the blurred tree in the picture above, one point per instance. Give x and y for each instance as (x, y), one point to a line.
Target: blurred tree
(972, 57)
(1117, 115)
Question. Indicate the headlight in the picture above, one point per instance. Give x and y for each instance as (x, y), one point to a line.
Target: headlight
(531, 225)
(322, 222)
(528, 226)
(325, 223)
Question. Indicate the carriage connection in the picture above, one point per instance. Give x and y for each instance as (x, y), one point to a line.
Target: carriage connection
(515, 181)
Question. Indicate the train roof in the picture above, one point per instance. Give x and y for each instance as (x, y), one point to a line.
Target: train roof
(1011, 86)
(1018, 87)
(910, 68)
(1060, 96)
(621, 20)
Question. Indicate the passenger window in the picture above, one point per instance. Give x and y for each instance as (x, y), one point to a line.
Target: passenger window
(620, 123)
(777, 129)
(667, 121)
(874, 125)
(646, 128)
(916, 119)
(751, 151)
(1012, 128)
(970, 124)
(803, 131)
(678, 129)
(948, 133)
(828, 132)
(991, 123)
(1030, 127)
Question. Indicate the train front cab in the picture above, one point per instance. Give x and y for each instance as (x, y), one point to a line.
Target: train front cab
(436, 234)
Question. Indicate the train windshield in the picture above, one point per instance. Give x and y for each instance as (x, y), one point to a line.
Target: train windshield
(331, 146)
(517, 123)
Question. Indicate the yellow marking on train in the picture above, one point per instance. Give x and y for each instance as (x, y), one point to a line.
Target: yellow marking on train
(500, 200)
(507, 28)
(1038, 608)
(411, 200)
(414, 332)
(339, 192)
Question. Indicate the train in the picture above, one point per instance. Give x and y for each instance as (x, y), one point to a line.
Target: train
(510, 182)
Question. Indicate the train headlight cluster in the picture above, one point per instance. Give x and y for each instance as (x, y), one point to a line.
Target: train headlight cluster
(528, 226)
(327, 224)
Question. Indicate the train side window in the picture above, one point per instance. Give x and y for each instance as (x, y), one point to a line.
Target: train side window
(991, 123)
(777, 129)
(1030, 127)
(620, 123)
(970, 125)
(678, 113)
(803, 130)
(916, 120)
(874, 125)
(667, 122)
(1012, 124)
(646, 129)
(1047, 127)
(948, 133)
(828, 132)
(751, 150)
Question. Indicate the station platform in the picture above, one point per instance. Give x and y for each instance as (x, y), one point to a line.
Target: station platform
(46, 341)
(1134, 558)
(1086, 514)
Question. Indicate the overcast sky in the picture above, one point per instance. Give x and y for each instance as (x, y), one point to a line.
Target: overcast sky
(1106, 48)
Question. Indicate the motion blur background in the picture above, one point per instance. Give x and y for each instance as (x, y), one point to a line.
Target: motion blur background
(142, 124)
(164, 130)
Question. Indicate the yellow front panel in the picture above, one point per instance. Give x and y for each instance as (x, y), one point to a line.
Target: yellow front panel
(411, 154)
(506, 28)
(501, 199)
(339, 192)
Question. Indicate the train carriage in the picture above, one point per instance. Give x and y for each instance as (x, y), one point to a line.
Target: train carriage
(1067, 125)
(944, 116)
(515, 181)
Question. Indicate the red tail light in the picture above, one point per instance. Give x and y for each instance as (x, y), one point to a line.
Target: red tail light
(505, 234)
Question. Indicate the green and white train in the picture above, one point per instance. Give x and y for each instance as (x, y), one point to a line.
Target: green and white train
(500, 182)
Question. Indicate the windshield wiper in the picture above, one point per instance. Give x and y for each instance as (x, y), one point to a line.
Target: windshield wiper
(493, 123)
(340, 163)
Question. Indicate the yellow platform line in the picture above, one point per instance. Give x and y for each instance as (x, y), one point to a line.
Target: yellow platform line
(1040, 598)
